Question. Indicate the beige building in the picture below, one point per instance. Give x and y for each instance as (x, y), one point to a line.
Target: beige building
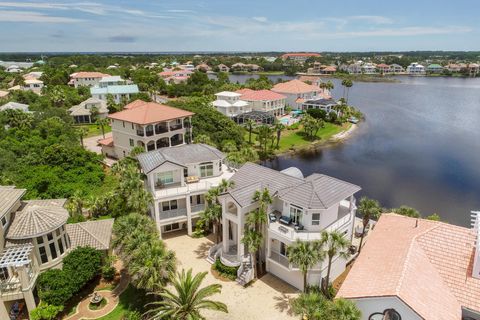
(83, 112)
(149, 125)
(297, 92)
(88, 79)
(34, 237)
(264, 100)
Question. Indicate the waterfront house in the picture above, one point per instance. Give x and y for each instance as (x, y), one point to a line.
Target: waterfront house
(353, 68)
(300, 57)
(239, 66)
(175, 76)
(88, 79)
(230, 104)
(417, 269)
(178, 179)
(14, 106)
(301, 209)
(369, 68)
(203, 67)
(434, 68)
(266, 101)
(473, 69)
(223, 68)
(415, 69)
(149, 125)
(89, 110)
(328, 69)
(34, 237)
(453, 67)
(383, 68)
(396, 68)
(327, 105)
(297, 92)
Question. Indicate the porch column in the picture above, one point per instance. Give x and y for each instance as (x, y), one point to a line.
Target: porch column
(3, 311)
(151, 178)
(240, 246)
(225, 234)
(189, 216)
(352, 213)
(156, 212)
(29, 300)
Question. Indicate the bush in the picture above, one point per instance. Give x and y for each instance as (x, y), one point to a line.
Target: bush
(80, 266)
(132, 315)
(226, 271)
(45, 312)
(108, 270)
(200, 229)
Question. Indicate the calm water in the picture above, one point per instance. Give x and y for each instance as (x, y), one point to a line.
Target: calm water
(419, 146)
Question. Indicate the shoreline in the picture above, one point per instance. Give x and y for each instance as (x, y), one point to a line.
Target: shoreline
(336, 138)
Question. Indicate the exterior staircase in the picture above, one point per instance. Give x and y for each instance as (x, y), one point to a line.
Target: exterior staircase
(245, 272)
(213, 253)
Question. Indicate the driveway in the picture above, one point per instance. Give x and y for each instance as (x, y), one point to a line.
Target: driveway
(266, 299)
(91, 144)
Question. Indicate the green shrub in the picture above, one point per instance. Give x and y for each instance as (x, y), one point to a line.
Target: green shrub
(132, 315)
(226, 271)
(45, 312)
(108, 270)
(200, 229)
(55, 287)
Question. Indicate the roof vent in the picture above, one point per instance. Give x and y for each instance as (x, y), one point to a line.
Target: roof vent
(475, 221)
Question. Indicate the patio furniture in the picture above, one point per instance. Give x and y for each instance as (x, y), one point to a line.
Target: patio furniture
(193, 179)
(282, 229)
(272, 217)
(298, 227)
(285, 220)
(352, 249)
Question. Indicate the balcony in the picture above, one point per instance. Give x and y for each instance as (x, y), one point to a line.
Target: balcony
(140, 132)
(173, 213)
(280, 259)
(161, 128)
(198, 208)
(11, 285)
(176, 127)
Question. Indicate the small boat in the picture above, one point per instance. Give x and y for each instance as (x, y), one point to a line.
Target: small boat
(353, 120)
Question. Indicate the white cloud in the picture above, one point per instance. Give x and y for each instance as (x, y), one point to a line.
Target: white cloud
(35, 17)
(260, 19)
(372, 19)
(180, 11)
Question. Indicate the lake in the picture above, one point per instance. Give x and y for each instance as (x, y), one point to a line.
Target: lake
(419, 145)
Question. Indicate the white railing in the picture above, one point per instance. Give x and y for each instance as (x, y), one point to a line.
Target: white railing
(340, 223)
(230, 260)
(280, 259)
(192, 187)
(10, 286)
(213, 251)
(198, 207)
(173, 213)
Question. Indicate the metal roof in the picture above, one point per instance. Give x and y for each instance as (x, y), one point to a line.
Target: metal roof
(181, 155)
(115, 89)
(322, 102)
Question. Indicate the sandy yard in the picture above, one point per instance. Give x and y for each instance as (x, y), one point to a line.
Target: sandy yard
(266, 299)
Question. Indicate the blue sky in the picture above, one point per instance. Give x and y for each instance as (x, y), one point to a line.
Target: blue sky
(242, 25)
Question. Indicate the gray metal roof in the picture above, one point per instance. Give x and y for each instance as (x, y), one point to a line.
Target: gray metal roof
(9, 195)
(317, 191)
(182, 155)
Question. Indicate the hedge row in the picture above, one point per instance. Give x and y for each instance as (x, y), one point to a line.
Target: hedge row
(226, 271)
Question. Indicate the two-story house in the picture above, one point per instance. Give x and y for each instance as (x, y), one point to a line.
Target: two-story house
(230, 104)
(178, 179)
(301, 209)
(84, 78)
(415, 69)
(297, 92)
(88, 110)
(267, 101)
(34, 237)
(149, 125)
(114, 86)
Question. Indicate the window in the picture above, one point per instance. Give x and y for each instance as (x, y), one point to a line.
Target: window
(283, 249)
(60, 245)
(315, 219)
(165, 177)
(3, 274)
(39, 240)
(296, 214)
(4, 221)
(123, 123)
(49, 236)
(53, 250)
(43, 254)
(131, 143)
(173, 205)
(169, 205)
(185, 172)
(206, 169)
(132, 126)
(165, 206)
(198, 199)
(57, 232)
(173, 226)
(65, 240)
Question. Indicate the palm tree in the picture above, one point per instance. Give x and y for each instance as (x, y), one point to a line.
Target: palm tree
(125, 226)
(152, 266)
(343, 309)
(347, 84)
(368, 209)
(253, 241)
(332, 244)
(264, 136)
(187, 300)
(102, 123)
(311, 306)
(279, 127)
(75, 204)
(213, 211)
(305, 256)
(82, 132)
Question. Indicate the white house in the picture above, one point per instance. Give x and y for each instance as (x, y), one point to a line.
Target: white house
(82, 113)
(149, 125)
(327, 105)
(14, 106)
(178, 178)
(434, 68)
(34, 237)
(267, 101)
(416, 69)
(86, 78)
(230, 104)
(34, 85)
(302, 208)
(396, 68)
(369, 68)
(416, 269)
(115, 86)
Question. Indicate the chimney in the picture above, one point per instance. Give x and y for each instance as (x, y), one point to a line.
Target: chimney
(475, 221)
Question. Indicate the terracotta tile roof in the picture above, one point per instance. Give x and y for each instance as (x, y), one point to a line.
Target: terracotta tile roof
(95, 234)
(134, 104)
(294, 86)
(106, 142)
(85, 74)
(428, 266)
(259, 95)
(330, 69)
(149, 112)
(382, 65)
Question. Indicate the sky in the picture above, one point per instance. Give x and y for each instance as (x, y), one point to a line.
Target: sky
(241, 25)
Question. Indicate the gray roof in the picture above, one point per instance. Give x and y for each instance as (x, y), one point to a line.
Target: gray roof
(8, 197)
(293, 171)
(82, 110)
(14, 106)
(182, 155)
(95, 234)
(317, 191)
(37, 218)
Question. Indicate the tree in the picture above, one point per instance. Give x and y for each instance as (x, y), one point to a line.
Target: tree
(332, 244)
(250, 124)
(368, 209)
(312, 306)
(311, 125)
(102, 123)
(433, 217)
(265, 135)
(304, 255)
(187, 300)
(279, 127)
(343, 309)
(213, 211)
(82, 132)
(407, 211)
(253, 241)
(45, 312)
(347, 84)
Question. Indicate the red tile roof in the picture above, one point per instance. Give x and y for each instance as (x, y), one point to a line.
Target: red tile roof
(149, 112)
(87, 74)
(330, 69)
(383, 65)
(427, 265)
(295, 86)
(259, 95)
(106, 142)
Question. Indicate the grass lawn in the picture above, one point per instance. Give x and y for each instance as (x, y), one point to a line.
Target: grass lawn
(130, 299)
(93, 129)
(296, 139)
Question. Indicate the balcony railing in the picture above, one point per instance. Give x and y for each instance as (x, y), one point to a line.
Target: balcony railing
(140, 133)
(173, 213)
(175, 127)
(11, 285)
(198, 208)
(280, 259)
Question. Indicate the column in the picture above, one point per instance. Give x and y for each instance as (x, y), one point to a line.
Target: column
(3, 311)
(156, 211)
(29, 300)
(151, 178)
(189, 216)
(352, 213)
(225, 234)
(240, 246)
